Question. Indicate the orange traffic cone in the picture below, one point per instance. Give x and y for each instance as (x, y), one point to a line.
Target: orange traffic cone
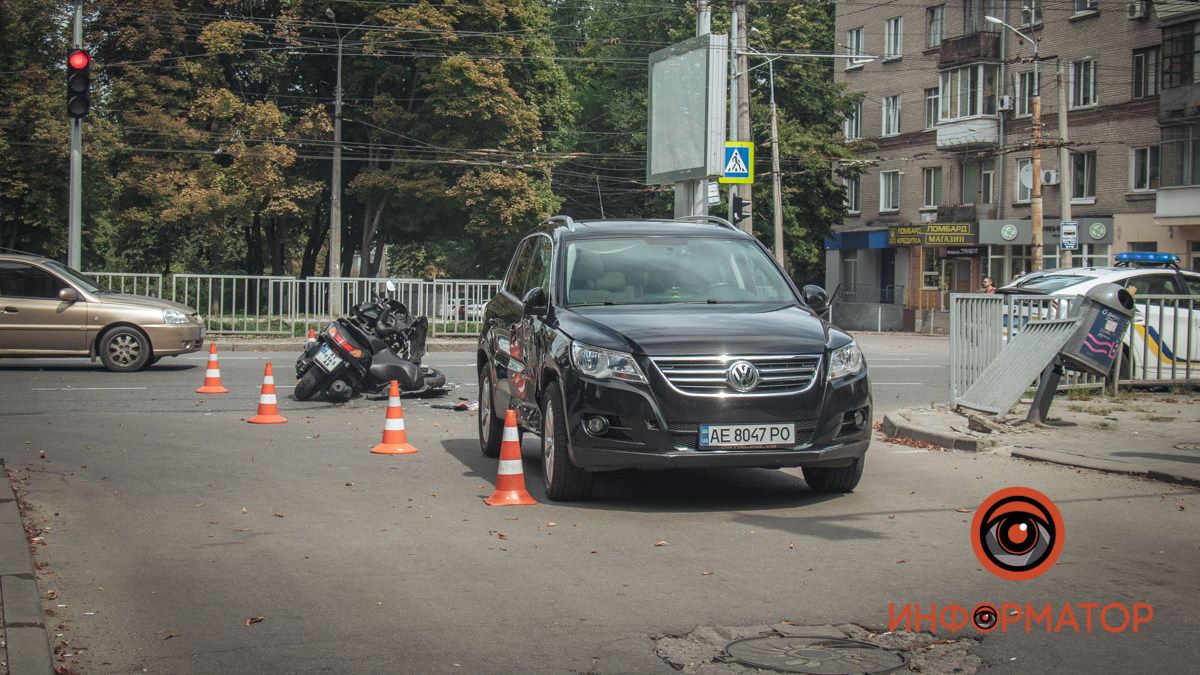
(510, 479)
(268, 408)
(212, 374)
(395, 439)
(312, 337)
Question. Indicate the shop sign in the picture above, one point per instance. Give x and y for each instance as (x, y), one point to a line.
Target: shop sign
(934, 234)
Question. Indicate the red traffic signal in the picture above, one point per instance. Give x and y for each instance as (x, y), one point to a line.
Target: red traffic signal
(78, 83)
(79, 59)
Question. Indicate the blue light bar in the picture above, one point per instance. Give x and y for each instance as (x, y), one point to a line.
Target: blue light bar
(1147, 257)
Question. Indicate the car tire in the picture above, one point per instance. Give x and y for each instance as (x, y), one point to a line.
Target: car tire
(840, 479)
(308, 385)
(491, 427)
(124, 349)
(562, 479)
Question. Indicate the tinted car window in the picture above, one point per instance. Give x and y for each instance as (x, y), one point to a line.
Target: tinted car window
(1193, 285)
(514, 281)
(1152, 284)
(19, 280)
(539, 266)
(1050, 283)
(661, 270)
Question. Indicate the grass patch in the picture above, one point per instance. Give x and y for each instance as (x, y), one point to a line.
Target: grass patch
(1158, 418)
(1106, 424)
(1080, 394)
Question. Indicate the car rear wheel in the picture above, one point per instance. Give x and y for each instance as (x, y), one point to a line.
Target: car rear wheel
(491, 427)
(840, 479)
(124, 349)
(562, 479)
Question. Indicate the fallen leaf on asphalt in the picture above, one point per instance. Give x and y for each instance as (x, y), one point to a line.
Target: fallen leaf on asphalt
(51, 594)
(963, 510)
(706, 573)
(348, 483)
(898, 562)
(1181, 507)
(501, 535)
(791, 547)
(552, 523)
(168, 636)
(255, 619)
(239, 529)
(213, 522)
(244, 510)
(1013, 612)
(891, 517)
(661, 542)
(481, 486)
(278, 514)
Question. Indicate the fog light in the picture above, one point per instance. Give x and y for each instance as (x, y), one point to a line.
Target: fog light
(860, 420)
(596, 425)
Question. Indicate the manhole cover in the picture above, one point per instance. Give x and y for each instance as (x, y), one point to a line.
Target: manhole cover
(1188, 447)
(814, 655)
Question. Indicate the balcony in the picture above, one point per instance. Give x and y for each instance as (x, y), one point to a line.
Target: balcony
(973, 133)
(969, 48)
(1179, 103)
(1177, 202)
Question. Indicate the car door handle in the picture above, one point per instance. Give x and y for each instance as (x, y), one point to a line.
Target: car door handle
(11, 310)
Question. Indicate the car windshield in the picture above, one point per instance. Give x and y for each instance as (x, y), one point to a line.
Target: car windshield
(78, 278)
(1050, 283)
(663, 270)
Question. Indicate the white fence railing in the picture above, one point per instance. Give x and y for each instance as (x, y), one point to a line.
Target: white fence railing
(282, 305)
(1162, 345)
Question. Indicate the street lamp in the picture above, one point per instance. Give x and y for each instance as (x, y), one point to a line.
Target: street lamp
(776, 179)
(1035, 206)
(335, 201)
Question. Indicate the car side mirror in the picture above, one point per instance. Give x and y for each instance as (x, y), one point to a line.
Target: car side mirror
(68, 295)
(535, 301)
(816, 298)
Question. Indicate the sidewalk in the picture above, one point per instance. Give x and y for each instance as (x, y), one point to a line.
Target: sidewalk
(1152, 435)
(24, 644)
(228, 343)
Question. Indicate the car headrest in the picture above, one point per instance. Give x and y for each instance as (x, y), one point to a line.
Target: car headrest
(613, 282)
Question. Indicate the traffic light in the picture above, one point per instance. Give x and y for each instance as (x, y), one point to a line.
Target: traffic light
(739, 209)
(78, 83)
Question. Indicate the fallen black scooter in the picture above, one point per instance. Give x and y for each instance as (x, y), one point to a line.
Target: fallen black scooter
(379, 342)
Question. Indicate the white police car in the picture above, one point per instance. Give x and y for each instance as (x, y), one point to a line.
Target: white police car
(1164, 343)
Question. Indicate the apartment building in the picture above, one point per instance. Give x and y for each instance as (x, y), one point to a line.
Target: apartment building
(1178, 203)
(943, 141)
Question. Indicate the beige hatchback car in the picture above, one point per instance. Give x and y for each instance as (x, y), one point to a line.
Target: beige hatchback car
(49, 309)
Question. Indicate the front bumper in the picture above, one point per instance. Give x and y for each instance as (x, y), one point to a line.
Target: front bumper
(642, 437)
(174, 339)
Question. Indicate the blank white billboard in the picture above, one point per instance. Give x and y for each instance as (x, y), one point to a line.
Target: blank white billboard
(687, 110)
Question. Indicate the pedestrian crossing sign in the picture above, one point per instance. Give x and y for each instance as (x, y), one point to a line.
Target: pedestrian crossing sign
(739, 163)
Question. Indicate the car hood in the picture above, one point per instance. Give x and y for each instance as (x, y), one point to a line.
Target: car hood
(142, 301)
(659, 330)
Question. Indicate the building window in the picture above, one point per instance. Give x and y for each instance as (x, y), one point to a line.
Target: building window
(1179, 54)
(931, 269)
(935, 25)
(1083, 6)
(931, 107)
(1026, 86)
(1195, 246)
(852, 189)
(1144, 246)
(1180, 155)
(893, 46)
(1144, 174)
(1083, 83)
(968, 91)
(1031, 13)
(974, 12)
(852, 126)
(933, 186)
(854, 46)
(1083, 175)
(889, 191)
(850, 267)
(1145, 72)
(987, 182)
(1024, 180)
(891, 115)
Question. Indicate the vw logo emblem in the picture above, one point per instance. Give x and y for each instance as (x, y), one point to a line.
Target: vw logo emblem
(742, 376)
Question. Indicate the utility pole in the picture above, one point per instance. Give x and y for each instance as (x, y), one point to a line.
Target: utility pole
(75, 193)
(1064, 170)
(733, 95)
(776, 179)
(743, 100)
(691, 196)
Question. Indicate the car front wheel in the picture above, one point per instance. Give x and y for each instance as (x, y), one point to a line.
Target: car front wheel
(562, 479)
(491, 427)
(124, 349)
(841, 479)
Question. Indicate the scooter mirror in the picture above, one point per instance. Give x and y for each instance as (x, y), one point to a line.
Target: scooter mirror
(390, 286)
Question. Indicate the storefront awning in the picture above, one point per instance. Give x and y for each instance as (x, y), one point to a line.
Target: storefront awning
(855, 239)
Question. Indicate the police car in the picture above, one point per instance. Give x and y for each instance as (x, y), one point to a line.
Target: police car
(1164, 343)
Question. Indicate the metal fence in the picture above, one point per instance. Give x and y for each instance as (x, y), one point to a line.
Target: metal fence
(282, 305)
(1162, 346)
(885, 295)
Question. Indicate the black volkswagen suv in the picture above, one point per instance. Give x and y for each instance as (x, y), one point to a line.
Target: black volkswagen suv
(659, 344)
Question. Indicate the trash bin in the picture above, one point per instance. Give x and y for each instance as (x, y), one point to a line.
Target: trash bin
(1104, 314)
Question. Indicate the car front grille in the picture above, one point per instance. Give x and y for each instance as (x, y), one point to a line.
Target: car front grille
(688, 435)
(705, 375)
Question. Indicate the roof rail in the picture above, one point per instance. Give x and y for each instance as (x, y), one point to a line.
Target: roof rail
(5, 249)
(565, 220)
(714, 220)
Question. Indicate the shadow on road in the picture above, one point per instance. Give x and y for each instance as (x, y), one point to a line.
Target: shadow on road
(681, 491)
(1166, 457)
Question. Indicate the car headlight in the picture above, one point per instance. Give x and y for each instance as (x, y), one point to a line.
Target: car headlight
(603, 364)
(174, 316)
(845, 360)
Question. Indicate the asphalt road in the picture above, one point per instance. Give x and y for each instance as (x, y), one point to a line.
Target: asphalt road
(170, 522)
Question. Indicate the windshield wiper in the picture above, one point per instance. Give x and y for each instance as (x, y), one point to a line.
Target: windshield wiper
(606, 303)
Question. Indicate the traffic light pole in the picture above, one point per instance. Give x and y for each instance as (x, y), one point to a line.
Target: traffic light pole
(75, 196)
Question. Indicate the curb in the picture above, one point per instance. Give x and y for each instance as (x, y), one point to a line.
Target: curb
(432, 345)
(1106, 466)
(903, 429)
(28, 644)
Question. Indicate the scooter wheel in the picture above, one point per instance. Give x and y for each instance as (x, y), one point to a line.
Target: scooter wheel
(308, 385)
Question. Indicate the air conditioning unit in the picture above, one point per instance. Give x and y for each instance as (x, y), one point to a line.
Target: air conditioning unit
(1005, 104)
(929, 217)
(1136, 9)
(1049, 177)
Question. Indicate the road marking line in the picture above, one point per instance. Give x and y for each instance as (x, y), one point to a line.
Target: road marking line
(906, 384)
(87, 389)
(927, 365)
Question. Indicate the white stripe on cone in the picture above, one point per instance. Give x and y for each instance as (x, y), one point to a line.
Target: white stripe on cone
(393, 425)
(510, 467)
(269, 379)
(393, 402)
(267, 398)
(213, 358)
(510, 434)
(212, 372)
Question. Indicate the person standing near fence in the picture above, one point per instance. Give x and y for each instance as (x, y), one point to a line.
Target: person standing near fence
(988, 285)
